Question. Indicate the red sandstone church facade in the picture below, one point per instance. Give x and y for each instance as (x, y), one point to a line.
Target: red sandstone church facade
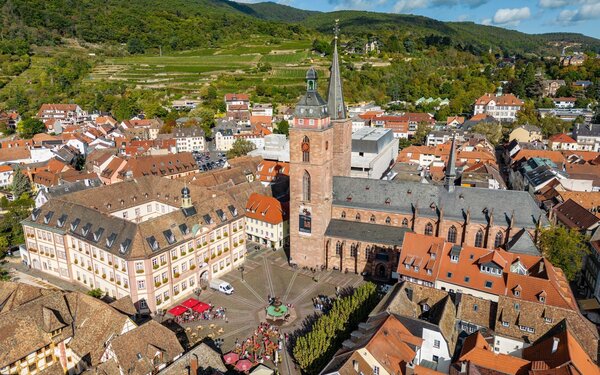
(358, 225)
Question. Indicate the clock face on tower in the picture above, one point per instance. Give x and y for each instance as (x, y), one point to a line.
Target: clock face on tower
(305, 147)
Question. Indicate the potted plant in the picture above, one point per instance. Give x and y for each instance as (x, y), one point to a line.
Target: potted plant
(139, 271)
(176, 274)
(104, 276)
(155, 266)
(89, 268)
(193, 267)
(164, 281)
(157, 284)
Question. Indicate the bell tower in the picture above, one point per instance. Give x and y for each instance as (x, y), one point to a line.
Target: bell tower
(311, 176)
(342, 126)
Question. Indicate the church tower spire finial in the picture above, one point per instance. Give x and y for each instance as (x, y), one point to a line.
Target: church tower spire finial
(451, 166)
(335, 95)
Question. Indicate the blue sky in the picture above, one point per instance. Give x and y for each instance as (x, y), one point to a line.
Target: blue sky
(530, 16)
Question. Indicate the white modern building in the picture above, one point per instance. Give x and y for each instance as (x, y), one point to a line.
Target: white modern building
(374, 150)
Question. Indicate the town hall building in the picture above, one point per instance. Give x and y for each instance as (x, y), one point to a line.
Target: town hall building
(358, 224)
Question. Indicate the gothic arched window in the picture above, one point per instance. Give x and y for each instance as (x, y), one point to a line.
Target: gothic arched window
(338, 248)
(405, 222)
(499, 240)
(452, 234)
(429, 229)
(353, 251)
(388, 220)
(343, 215)
(305, 149)
(306, 187)
(372, 219)
(357, 217)
(479, 238)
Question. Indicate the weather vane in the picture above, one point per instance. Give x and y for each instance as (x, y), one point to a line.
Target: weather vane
(336, 29)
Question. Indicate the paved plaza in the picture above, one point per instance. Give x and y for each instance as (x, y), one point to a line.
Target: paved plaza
(266, 273)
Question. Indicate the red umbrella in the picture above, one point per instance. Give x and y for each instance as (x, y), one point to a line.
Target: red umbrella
(243, 365)
(177, 310)
(201, 307)
(190, 303)
(231, 358)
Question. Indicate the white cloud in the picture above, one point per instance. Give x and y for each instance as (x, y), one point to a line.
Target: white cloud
(357, 4)
(588, 11)
(511, 16)
(553, 3)
(404, 6)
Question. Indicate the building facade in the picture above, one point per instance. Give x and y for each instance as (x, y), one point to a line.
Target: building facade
(147, 238)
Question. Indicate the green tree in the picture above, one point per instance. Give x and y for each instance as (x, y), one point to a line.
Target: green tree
(421, 134)
(527, 114)
(4, 275)
(29, 127)
(493, 132)
(21, 184)
(135, 46)
(240, 147)
(96, 293)
(283, 127)
(564, 248)
(4, 244)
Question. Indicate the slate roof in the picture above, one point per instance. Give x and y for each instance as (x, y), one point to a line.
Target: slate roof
(522, 243)
(129, 239)
(406, 196)
(335, 93)
(311, 104)
(375, 233)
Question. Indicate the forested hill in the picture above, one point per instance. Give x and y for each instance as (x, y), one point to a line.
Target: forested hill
(185, 24)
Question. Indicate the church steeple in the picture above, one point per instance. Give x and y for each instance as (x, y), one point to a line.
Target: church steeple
(335, 95)
(451, 167)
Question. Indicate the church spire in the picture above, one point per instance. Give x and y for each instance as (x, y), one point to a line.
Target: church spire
(335, 95)
(451, 167)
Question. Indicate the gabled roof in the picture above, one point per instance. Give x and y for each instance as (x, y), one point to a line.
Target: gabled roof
(477, 351)
(560, 350)
(561, 138)
(267, 209)
(574, 216)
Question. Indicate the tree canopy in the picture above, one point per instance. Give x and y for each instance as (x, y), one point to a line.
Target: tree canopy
(240, 147)
(29, 127)
(565, 248)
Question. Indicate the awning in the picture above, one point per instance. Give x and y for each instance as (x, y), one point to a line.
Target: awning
(177, 310)
(190, 303)
(201, 307)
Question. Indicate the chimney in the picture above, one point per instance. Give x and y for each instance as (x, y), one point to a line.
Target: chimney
(194, 364)
(463, 367)
(555, 341)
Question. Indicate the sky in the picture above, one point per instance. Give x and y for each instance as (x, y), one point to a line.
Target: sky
(530, 16)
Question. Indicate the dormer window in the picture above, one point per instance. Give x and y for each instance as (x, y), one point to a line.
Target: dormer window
(86, 229)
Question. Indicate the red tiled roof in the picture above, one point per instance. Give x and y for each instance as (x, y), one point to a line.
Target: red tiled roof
(564, 99)
(236, 97)
(476, 350)
(268, 209)
(504, 100)
(561, 138)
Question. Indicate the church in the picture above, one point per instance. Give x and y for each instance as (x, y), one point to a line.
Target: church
(358, 224)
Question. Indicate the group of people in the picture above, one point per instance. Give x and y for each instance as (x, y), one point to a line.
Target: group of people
(210, 314)
(322, 303)
(265, 344)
